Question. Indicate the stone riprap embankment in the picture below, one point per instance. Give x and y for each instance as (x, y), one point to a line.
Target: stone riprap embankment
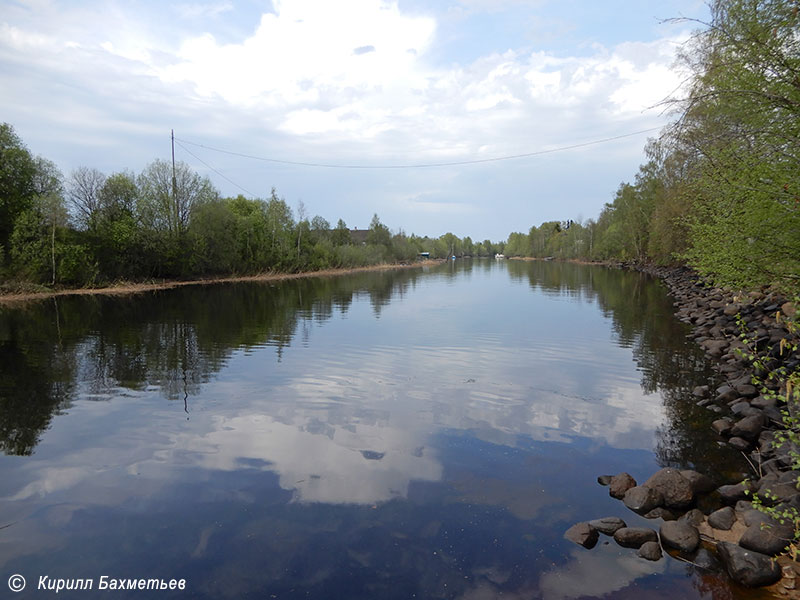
(716, 527)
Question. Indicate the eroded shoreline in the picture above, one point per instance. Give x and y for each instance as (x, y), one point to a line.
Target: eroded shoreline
(130, 288)
(718, 527)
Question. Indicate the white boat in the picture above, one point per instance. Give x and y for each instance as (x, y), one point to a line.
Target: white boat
(499, 256)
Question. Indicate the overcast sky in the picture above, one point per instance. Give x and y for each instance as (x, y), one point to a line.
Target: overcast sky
(354, 82)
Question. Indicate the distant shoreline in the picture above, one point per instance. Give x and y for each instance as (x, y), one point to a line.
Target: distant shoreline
(129, 288)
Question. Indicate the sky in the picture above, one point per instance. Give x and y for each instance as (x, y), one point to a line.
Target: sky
(378, 91)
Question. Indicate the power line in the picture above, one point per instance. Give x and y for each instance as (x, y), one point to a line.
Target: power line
(420, 165)
(228, 179)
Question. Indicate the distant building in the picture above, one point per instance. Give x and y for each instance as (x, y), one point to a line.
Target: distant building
(359, 236)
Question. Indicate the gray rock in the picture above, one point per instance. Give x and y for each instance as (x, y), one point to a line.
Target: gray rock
(754, 517)
(706, 560)
(722, 518)
(701, 391)
(749, 427)
(775, 493)
(739, 443)
(731, 310)
(620, 484)
(650, 551)
(693, 517)
(747, 567)
(582, 534)
(679, 535)
(642, 499)
(722, 426)
(660, 512)
(604, 479)
(715, 347)
(674, 487)
(765, 539)
(731, 493)
(761, 402)
(748, 390)
(634, 537)
(725, 394)
(608, 525)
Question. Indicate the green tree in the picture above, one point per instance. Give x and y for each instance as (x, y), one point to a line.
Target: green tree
(741, 119)
(17, 171)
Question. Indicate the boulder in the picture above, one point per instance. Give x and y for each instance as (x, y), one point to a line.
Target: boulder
(650, 551)
(582, 534)
(775, 493)
(731, 493)
(679, 535)
(642, 499)
(620, 484)
(749, 427)
(608, 525)
(660, 512)
(747, 567)
(706, 560)
(604, 479)
(722, 426)
(762, 538)
(725, 394)
(739, 443)
(722, 518)
(674, 487)
(634, 537)
(693, 517)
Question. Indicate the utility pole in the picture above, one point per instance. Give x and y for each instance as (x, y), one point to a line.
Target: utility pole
(174, 182)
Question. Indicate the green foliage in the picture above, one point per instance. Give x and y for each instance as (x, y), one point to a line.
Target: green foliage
(742, 121)
(17, 169)
(784, 387)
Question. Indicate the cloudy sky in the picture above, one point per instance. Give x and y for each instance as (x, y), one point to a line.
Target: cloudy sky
(354, 83)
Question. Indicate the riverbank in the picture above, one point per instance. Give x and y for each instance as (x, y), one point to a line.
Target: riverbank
(748, 338)
(126, 287)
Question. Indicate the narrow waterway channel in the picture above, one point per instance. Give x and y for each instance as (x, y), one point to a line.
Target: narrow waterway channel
(419, 433)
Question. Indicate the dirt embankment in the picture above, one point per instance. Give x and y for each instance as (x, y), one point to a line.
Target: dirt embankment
(124, 288)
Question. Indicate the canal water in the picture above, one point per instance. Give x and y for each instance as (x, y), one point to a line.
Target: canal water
(416, 433)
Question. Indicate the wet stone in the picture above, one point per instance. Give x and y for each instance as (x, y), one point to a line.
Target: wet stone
(604, 479)
(608, 525)
(706, 560)
(582, 534)
(693, 517)
(650, 551)
(766, 540)
(722, 518)
(634, 537)
(662, 513)
(739, 443)
(674, 487)
(620, 484)
(722, 426)
(642, 499)
(749, 427)
(747, 567)
(679, 535)
(731, 493)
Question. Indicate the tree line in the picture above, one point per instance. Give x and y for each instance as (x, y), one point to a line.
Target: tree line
(720, 189)
(90, 228)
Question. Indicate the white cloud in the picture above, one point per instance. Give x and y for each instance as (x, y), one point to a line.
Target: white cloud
(298, 87)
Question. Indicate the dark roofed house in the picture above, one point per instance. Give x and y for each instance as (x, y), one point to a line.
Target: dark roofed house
(359, 236)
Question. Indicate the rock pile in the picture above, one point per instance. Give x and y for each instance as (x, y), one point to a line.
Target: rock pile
(728, 533)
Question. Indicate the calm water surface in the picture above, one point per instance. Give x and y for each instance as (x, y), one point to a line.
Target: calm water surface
(404, 434)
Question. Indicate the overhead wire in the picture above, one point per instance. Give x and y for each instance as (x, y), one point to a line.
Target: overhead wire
(228, 179)
(413, 165)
